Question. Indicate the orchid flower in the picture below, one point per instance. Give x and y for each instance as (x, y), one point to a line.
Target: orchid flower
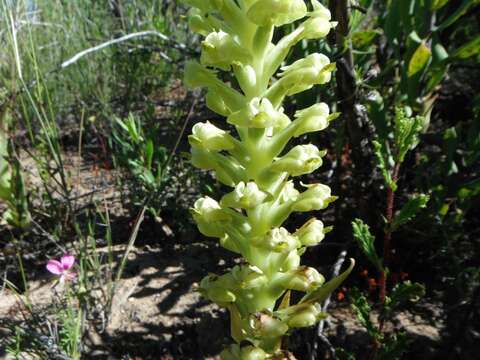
(253, 159)
(62, 268)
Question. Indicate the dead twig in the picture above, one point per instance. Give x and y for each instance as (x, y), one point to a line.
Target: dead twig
(321, 325)
(121, 39)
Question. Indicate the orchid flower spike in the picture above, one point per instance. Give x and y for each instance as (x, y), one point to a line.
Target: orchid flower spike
(62, 268)
(253, 158)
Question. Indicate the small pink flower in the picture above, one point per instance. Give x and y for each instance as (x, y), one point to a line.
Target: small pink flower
(62, 267)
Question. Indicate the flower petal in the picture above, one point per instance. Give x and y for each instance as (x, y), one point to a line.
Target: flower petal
(55, 267)
(67, 261)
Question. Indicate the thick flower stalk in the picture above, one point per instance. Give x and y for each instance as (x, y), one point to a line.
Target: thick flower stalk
(256, 165)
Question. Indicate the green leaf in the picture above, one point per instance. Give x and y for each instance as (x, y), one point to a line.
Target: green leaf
(366, 242)
(406, 134)
(457, 14)
(450, 139)
(5, 173)
(438, 4)
(439, 53)
(470, 189)
(363, 39)
(393, 24)
(410, 210)
(394, 347)
(436, 76)
(419, 60)
(405, 292)
(149, 150)
(470, 49)
(382, 155)
(326, 289)
(362, 310)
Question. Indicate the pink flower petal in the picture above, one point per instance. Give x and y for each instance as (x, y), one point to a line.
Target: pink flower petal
(67, 261)
(55, 267)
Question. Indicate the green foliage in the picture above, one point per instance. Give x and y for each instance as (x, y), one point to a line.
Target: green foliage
(12, 188)
(390, 346)
(394, 347)
(403, 293)
(406, 133)
(136, 151)
(70, 331)
(363, 309)
(419, 59)
(366, 242)
(438, 4)
(383, 156)
(458, 13)
(471, 48)
(410, 210)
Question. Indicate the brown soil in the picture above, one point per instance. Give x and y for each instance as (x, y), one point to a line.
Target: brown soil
(157, 314)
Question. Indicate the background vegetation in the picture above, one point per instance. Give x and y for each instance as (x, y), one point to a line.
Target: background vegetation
(94, 119)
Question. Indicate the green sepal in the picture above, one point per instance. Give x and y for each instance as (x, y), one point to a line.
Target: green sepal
(326, 289)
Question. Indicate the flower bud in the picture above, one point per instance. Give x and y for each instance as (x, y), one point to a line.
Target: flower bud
(264, 325)
(231, 353)
(316, 197)
(220, 295)
(209, 209)
(278, 240)
(305, 279)
(316, 28)
(288, 193)
(305, 317)
(209, 217)
(319, 10)
(291, 262)
(311, 233)
(247, 277)
(208, 136)
(220, 49)
(276, 12)
(252, 353)
(198, 23)
(302, 159)
(314, 118)
(259, 113)
(319, 25)
(212, 288)
(304, 73)
(244, 196)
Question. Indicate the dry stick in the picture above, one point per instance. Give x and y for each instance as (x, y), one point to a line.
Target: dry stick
(321, 325)
(175, 44)
(124, 38)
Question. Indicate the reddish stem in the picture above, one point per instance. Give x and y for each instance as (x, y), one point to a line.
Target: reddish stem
(388, 236)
